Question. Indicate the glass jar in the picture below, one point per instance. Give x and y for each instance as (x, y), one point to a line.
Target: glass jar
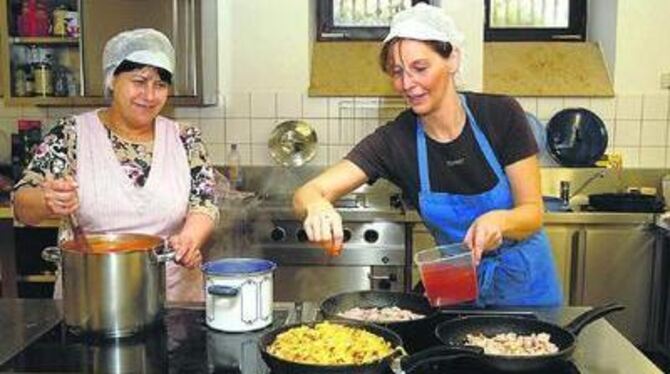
(43, 79)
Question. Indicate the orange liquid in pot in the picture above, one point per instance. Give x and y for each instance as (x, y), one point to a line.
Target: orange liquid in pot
(107, 246)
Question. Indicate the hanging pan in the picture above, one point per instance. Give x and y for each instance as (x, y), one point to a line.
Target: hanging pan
(292, 143)
(576, 137)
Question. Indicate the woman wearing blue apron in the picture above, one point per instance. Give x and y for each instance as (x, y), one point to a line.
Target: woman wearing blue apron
(468, 162)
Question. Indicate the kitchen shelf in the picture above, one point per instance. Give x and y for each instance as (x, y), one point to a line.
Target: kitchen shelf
(45, 40)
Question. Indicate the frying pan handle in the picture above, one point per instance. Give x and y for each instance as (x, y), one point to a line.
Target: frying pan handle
(585, 318)
(434, 354)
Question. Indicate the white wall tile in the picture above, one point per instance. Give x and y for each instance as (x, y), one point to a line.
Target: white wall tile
(238, 105)
(627, 133)
(260, 156)
(245, 153)
(652, 157)
(337, 152)
(314, 107)
(364, 127)
(610, 126)
(263, 105)
(577, 102)
(341, 107)
(261, 129)
(655, 106)
(320, 126)
(213, 112)
(238, 130)
(667, 156)
(630, 156)
(629, 107)
(217, 153)
(604, 107)
(289, 104)
(333, 131)
(185, 112)
(321, 156)
(213, 129)
(654, 133)
(191, 121)
(529, 104)
(366, 107)
(347, 131)
(547, 107)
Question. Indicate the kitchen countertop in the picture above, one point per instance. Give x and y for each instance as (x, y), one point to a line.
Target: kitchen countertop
(600, 348)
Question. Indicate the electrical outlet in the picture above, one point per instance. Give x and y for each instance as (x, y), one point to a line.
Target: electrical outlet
(665, 80)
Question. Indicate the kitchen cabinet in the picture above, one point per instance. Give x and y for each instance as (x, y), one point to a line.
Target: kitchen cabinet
(616, 264)
(62, 65)
(609, 259)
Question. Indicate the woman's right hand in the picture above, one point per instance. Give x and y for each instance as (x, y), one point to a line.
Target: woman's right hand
(323, 224)
(60, 195)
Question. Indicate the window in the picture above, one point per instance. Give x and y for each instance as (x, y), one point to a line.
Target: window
(526, 20)
(357, 19)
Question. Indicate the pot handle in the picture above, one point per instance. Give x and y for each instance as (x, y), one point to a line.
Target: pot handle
(443, 353)
(51, 254)
(167, 254)
(592, 315)
(223, 291)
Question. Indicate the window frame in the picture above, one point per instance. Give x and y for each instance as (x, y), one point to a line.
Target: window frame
(576, 30)
(326, 31)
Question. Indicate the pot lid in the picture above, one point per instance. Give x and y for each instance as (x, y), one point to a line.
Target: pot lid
(576, 137)
(292, 143)
(238, 266)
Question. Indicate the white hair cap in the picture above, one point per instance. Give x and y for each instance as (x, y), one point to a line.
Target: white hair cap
(142, 46)
(425, 22)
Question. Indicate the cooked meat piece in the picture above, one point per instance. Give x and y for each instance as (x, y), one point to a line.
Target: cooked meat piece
(387, 314)
(511, 344)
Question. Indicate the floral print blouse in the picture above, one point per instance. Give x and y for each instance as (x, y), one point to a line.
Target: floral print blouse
(59, 147)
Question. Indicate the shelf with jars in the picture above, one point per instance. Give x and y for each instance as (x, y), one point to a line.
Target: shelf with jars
(43, 44)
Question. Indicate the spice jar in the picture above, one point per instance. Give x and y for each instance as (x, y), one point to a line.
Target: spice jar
(43, 79)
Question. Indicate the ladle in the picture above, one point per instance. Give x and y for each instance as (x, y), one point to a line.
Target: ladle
(78, 233)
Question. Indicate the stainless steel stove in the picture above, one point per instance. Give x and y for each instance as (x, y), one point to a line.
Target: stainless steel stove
(376, 252)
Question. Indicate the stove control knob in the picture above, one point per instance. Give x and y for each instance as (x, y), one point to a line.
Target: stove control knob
(278, 234)
(371, 236)
(302, 236)
(347, 235)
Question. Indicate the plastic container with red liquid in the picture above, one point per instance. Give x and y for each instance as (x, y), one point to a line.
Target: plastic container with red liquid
(448, 274)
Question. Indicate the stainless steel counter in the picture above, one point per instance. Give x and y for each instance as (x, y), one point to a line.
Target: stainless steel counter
(22, 321)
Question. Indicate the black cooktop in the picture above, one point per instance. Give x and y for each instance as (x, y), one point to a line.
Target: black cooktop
(182, 344)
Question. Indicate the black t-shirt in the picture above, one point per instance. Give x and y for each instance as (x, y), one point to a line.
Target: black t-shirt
(458, 166)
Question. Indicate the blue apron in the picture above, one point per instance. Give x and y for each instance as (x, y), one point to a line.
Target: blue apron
(519, 272)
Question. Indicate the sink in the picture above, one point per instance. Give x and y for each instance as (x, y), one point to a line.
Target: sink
(555, 205)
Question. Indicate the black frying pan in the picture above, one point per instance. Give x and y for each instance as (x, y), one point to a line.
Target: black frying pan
(281, 366)
(454, 332)
(416, 334)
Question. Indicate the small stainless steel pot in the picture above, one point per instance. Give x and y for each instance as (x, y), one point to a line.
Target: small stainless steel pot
(117, 287)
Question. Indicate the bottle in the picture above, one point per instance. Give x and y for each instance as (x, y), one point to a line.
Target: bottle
(234, 170)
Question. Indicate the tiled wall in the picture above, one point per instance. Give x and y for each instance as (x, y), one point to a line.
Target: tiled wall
(637, 124)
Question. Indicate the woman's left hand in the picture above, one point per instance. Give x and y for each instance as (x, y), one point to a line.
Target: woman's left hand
(187, 252)
(484, 234)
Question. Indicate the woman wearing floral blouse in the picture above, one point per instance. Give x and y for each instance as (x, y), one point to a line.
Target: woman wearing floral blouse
(127, 169)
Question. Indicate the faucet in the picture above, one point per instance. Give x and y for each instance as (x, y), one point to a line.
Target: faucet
(565, 186)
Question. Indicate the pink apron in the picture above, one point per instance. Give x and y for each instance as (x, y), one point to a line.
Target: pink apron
(111, 203)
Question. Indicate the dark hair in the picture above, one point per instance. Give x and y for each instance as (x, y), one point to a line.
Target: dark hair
(443, 49)
(126, 65)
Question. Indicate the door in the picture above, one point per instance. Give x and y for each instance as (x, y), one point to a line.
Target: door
(563, 239)
(617, 266)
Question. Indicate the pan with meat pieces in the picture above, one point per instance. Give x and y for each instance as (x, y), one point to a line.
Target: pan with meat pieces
(511, 344)
(329, 344)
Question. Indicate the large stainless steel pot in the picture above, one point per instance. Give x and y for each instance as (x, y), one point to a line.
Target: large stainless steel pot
(117, 287)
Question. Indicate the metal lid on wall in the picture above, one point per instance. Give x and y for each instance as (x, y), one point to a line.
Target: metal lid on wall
(576, 137)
